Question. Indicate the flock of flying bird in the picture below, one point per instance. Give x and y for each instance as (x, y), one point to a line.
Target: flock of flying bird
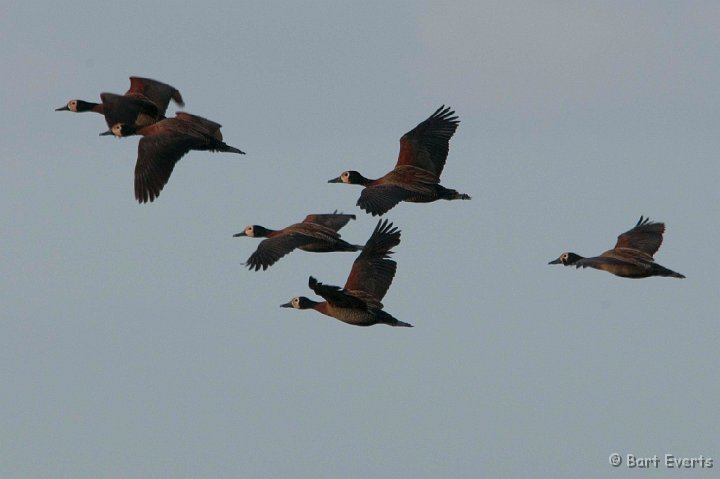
(415, 178)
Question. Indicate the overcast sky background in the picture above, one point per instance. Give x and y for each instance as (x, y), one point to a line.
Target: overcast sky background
(133, 343)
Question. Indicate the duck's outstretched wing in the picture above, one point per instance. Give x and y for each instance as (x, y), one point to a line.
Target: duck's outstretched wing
(645, 236)
(426, 146)
(373, 270)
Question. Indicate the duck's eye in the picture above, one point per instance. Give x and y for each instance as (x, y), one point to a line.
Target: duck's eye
(346, 174)
(296, 302)
(248, 230)
(564, 257)
(72, 105)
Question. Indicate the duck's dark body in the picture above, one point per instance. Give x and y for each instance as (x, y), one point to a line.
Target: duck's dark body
(317, 233)
(164, 143)
(416, 176)
(359, 302)
(143, 104)
(632, 256)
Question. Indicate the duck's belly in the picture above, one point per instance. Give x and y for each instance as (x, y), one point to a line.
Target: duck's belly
(356, 317)
(625, 270)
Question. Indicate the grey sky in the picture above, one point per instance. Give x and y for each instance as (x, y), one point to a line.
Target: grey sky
(134, 344)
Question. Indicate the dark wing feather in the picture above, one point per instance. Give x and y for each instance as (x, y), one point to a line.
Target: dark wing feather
(378, 200)
(400, 184)
(373, 270)
(337, 296)
(157, 155)
(646, 236)
(295, 236)
(411, 178)
(426, 146)
(628, 254)
(199, 124)
(157, 92)
(313, 231)
(126, 109)
(206, 131)
(334, 221)
(272, 249)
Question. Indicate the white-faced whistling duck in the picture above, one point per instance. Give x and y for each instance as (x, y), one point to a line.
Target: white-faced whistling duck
(416, 176)
(359, 302)
(164, 143)
(317, 233)
(144, 103)
(632, 256)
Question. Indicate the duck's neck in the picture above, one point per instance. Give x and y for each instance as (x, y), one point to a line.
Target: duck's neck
(361, 180)
(90, 106)
(321, 307)
(573, 258)
(262, 232)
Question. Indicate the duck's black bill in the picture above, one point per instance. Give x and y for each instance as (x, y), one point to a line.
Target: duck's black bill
(236, 235)
(105, 133)
(287, 305)
(335, 180)
(556, 261)
(62, 108)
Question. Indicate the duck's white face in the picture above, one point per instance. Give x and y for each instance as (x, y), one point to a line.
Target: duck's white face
(564, 257)
(295, 303)
(249, 231)
(72, 105)
(345, 177)
(117, 129)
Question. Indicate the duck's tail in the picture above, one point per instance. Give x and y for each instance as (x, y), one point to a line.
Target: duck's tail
(400, 323)
(343, 245)
(230, 149)
(450, 194)
(387, 318)
(461, 196)
(216, 144)
(663, 271)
